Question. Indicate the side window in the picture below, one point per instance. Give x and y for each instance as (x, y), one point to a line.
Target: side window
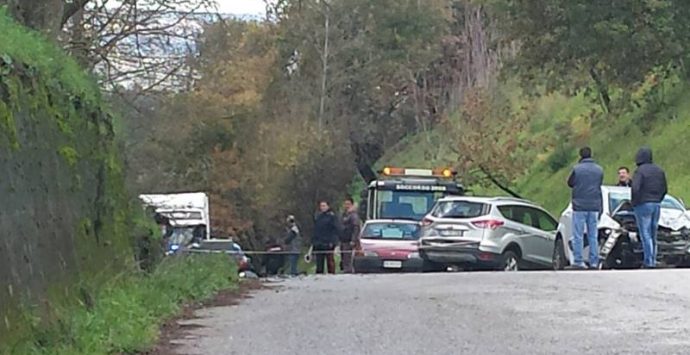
(524, 215)
(544, 221)
(507, 212)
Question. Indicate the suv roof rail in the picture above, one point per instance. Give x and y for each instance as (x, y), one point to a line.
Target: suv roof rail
(512, 199)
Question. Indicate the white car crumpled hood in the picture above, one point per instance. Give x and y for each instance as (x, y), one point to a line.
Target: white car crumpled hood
(673, 219)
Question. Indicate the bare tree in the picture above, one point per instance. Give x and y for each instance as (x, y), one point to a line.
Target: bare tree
(142, 43)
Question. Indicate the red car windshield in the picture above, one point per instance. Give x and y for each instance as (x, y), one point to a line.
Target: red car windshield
(391, 231)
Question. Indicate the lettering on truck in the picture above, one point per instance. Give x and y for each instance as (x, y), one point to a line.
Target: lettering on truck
(420, 187)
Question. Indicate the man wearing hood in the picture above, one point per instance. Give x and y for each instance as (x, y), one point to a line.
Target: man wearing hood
(585, 181)
(326, 233)
(648, 190)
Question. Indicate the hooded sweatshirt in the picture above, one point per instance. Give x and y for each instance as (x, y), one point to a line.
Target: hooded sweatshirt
(649, 181)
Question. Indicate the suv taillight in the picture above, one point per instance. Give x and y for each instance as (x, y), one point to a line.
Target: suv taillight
(488, 224)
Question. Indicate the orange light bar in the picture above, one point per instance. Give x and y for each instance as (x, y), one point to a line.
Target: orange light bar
(439, 172)
(445, 172)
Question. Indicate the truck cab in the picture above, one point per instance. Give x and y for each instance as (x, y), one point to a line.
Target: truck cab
(408, 194)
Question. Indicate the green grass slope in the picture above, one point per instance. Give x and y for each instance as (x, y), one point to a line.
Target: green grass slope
(664, 126)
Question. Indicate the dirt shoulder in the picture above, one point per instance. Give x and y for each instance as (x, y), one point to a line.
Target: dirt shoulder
(172, 329)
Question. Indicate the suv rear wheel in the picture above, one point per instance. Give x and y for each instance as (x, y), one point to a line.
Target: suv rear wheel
(511, 261)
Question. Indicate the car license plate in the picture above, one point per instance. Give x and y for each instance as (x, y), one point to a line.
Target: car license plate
(392, 264)
(452, 233)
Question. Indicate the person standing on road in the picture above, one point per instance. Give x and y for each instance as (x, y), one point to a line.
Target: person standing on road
(624, 177)
(293, 243)
(585, 181)
(325, 237)
(648, 190)
(350, 235)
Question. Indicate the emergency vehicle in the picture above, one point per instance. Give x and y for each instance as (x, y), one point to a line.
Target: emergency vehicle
(403, 193)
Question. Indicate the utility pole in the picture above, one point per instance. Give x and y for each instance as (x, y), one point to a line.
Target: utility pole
(324, 62)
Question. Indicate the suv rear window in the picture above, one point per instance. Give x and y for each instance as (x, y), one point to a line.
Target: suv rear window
(460, 209)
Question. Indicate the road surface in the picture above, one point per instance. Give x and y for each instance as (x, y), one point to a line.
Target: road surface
(586, 312)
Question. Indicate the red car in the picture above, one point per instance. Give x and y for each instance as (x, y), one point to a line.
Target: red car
(388, 246)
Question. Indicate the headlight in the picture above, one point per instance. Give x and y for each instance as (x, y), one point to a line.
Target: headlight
(414, 255)
(174, 247)
(370, 253)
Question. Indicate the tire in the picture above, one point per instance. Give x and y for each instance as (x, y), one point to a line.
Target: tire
(510, 261)
(558, 260)
(430, 266)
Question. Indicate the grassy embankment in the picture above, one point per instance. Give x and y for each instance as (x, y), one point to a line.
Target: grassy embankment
(661, 120)
(103, 304)
(125, 314)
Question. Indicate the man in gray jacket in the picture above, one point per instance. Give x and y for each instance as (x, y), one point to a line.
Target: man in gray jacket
(585, 181)
(648, 190)
(293, 243)
(350, 234)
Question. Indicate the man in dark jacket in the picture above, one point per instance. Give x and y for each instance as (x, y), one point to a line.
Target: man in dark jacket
(585, 181)
(624, 177)
(350, 235)
(293, 243)
(648, 190)
(326, 233)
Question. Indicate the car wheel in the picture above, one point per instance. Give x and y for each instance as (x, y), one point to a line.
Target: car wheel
(511, 261)
(558, 258)
(430, 266)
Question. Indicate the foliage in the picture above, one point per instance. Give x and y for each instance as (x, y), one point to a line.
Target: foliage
(124, 315)
(568, 42)
(492, 143)
(44, 58)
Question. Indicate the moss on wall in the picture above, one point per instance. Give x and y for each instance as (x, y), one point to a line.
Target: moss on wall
(65, 216)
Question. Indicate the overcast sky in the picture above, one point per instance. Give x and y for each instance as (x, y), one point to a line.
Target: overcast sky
(242, 7)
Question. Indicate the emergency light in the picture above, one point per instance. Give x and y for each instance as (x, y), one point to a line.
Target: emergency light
(438, 172)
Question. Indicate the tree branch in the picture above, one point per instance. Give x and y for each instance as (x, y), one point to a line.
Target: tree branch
(70, 9)
(498, 184)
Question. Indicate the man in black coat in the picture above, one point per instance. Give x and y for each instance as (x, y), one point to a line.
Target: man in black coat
(326, 235)
(648, 190)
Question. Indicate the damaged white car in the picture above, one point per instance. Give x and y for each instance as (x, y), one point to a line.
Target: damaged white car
(619, 242)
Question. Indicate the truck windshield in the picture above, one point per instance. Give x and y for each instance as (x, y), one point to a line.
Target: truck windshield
(412, 205)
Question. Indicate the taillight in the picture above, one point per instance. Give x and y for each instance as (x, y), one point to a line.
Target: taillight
(488, 224)
(426, 222)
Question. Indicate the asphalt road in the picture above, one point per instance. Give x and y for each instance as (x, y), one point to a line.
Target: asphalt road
(586, 312)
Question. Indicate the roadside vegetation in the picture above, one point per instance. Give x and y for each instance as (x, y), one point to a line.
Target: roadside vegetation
(124, 314)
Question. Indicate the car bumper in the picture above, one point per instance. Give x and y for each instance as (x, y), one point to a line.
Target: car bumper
(373, 264)
(450, 255)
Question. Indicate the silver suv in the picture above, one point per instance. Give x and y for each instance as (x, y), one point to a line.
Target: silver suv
(487, 233)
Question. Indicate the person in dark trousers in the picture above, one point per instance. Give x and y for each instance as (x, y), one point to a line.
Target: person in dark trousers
(585, 181)
(624, 177)
(648, 190)
(326, 233)
(293, 243)
(350, 235)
